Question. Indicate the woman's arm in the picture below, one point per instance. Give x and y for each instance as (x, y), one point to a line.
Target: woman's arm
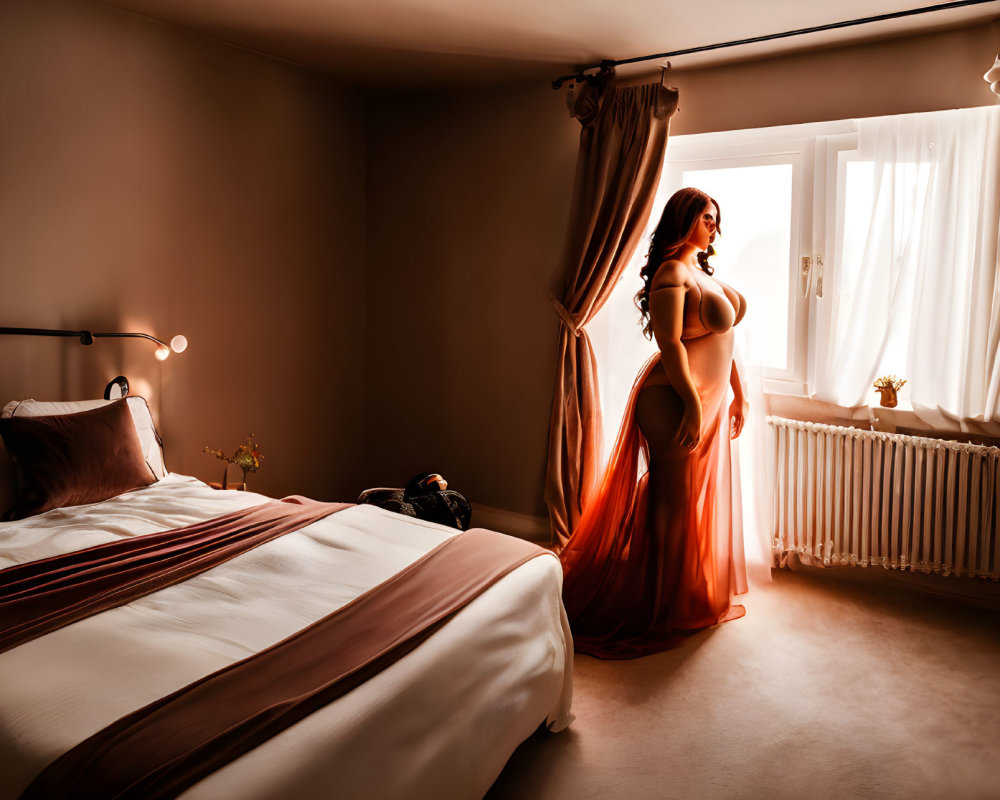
(736, 408)
(666, 317)
(735, 382)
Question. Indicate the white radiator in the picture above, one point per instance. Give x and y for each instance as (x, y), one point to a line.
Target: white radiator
(850, 496)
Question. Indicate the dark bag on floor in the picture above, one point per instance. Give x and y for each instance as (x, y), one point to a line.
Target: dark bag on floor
(426, 496)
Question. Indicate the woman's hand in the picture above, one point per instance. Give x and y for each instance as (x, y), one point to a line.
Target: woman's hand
(737, 412)
(689, 433)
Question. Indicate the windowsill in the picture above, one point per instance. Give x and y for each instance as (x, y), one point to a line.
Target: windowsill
(877, 418)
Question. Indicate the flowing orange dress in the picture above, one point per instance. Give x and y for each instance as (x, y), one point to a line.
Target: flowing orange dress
(659, 556)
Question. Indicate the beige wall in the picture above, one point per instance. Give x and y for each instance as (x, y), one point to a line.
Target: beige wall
(467, 201)
(153, 180)
(897, 76)
(468, 196)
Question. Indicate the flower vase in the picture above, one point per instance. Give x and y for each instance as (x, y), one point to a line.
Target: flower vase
(887, 396)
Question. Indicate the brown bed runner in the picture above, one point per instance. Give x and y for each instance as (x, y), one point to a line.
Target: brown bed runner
(159, 751)
(42, 596)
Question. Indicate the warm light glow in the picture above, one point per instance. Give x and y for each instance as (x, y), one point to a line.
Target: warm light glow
(162, 352)
(179, 343)
(142, 388)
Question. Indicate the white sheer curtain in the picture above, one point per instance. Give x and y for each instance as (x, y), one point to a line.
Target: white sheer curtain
(918, 293)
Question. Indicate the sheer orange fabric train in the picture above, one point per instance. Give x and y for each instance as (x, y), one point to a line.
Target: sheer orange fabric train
(640, 576)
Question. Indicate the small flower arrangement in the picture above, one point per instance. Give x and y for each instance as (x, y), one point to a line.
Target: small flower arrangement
(889, 380)
(247, 457)
(887, 386)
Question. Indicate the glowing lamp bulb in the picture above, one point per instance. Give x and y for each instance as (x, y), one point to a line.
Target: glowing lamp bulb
(179, 343)
(162, 352)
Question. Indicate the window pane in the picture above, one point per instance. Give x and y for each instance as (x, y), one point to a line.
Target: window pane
(754, 249)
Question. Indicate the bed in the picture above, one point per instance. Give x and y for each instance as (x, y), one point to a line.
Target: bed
(439, 722)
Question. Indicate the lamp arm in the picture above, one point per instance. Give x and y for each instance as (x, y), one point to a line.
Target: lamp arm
(134, 335)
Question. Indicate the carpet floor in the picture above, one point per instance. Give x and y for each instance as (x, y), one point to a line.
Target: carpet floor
(824, 690)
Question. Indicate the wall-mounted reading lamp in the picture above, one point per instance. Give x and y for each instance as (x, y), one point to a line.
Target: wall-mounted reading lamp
(178, 344)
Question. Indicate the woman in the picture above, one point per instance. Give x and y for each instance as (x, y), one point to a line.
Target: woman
(657, 557)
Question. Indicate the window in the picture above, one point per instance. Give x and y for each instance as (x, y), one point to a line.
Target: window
(836, 232)
(758, 254)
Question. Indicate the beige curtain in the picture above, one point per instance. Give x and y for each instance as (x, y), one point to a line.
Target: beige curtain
(622, 147)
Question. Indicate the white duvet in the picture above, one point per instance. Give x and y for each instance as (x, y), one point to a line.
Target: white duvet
(439, 723)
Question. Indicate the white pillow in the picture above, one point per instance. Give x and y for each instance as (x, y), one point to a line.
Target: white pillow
(148, 437)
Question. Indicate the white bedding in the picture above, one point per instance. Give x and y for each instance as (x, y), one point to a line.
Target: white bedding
(439, 723)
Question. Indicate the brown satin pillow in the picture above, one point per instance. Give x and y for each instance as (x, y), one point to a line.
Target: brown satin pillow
(73, 459)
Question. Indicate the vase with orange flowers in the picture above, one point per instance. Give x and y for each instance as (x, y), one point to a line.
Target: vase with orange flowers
(247, 457)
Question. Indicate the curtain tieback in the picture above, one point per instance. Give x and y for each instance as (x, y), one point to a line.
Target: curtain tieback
(565, 316)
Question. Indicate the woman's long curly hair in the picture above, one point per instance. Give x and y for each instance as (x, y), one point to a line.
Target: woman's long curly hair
(678, 221)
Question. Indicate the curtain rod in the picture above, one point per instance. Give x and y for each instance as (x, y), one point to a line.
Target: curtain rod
(608, 64)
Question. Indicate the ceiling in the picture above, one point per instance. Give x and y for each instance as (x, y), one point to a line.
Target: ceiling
(461, 41)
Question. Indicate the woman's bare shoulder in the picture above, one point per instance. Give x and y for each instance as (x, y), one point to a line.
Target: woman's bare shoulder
(670, 275)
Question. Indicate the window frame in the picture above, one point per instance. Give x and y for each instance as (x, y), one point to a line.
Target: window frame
(813, 150)
(829, 181)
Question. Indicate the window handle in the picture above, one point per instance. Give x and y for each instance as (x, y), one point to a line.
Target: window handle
(806, 266)
(819, 275)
